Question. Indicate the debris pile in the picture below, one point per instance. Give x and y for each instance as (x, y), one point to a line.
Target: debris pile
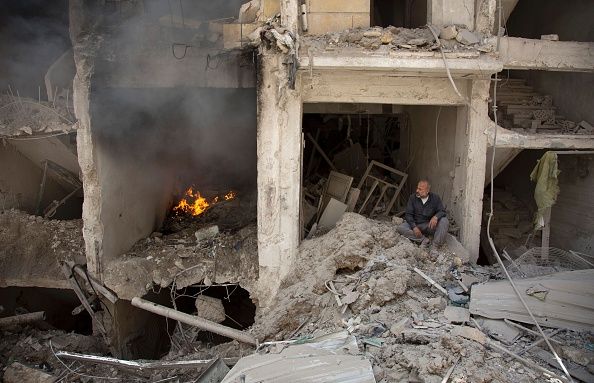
(364, 291)
(191, 251)
(31, 246)
(451, 39)
(522, 109)
(21, 116)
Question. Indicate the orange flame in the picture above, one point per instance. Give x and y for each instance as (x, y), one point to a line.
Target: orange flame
(194, 204)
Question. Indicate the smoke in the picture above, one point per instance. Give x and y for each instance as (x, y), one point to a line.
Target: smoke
(33, 34)
(152, 112)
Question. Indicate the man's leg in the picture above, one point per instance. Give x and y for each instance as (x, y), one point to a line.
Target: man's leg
(441, 231)
(405, 230)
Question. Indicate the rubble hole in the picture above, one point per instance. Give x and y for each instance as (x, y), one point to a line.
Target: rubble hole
(239, 310)
(57, 304)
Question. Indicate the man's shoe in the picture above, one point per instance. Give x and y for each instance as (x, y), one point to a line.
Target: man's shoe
(425, 244)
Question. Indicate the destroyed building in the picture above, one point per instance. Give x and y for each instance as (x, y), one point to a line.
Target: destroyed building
(195, 155)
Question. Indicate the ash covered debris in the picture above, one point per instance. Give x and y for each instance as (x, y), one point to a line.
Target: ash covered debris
(451, 39)
(31, 247)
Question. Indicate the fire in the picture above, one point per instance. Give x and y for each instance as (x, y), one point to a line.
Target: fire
(194, 204)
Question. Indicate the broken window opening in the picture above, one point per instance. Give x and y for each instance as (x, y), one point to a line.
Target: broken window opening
(513, 224)
(400, 13)
(548, 20)
(227, 304)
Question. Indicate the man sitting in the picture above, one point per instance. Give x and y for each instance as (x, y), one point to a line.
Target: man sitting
(425, 215)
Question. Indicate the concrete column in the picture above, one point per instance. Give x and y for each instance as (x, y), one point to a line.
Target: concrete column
(81, 98)
(485, 16)
(279, 172)
(290, 15)
(446, 12)
(469, 176)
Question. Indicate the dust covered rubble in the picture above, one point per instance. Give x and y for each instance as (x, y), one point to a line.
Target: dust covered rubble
(185, 259)
(394, 313)
(31, 246)
(451, 38)
(23, 116)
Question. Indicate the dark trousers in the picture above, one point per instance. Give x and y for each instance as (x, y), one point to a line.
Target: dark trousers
(438, 233)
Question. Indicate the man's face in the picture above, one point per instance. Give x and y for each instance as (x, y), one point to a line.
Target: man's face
(422, 189)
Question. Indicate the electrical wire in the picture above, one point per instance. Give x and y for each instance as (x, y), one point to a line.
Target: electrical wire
(490, 239)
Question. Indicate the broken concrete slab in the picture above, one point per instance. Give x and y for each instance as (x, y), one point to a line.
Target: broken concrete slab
(324, 360)
(467, 37)
(456, 314)
(332, 214)
(460, 251)
(448, 33)
(19, 373)
(499, 330)
(569, 302)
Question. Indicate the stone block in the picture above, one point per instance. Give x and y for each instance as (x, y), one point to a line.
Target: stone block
(18, 373)
(210, 308)
(321, 23)
(448, 33)
(339, 6)
(466, 37)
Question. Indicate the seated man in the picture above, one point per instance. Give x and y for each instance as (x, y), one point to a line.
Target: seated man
(425, 215)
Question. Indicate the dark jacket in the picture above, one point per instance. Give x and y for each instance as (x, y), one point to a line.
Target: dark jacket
(417, 213)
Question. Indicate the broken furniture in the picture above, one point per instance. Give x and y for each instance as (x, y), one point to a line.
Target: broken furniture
(389, 188)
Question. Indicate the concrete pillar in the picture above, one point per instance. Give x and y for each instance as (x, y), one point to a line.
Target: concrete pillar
(470, 158)
(279, 172)
(81, 98)
(290, 15)
(485, 16)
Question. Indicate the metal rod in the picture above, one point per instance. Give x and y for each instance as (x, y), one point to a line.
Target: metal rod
(194, 321)
(22, 319)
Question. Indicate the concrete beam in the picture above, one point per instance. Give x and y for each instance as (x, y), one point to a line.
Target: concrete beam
(569, 56)
(279, 174)
(165, 71)
(381, 88)
(460, 65)
(510, 139)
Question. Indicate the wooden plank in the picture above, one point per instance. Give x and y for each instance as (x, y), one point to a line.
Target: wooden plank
(569, 302)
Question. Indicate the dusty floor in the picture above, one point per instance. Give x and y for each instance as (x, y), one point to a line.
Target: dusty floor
(396, 316)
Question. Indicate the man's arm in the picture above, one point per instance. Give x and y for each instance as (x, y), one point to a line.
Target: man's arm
(409, 215)
(439, 209)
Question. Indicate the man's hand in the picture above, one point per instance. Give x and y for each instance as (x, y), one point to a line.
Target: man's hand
(433, 223)
(417, 232)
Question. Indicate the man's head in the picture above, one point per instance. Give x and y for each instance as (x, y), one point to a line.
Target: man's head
(423, 188)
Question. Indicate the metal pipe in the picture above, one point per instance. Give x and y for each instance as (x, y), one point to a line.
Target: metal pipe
(193, 320)
(22, 319)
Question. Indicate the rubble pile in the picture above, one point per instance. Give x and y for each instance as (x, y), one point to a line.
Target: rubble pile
(21, 116)
(522, 109)
(25, 241)
(226, 252)
(399, 308)
(451, 39)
